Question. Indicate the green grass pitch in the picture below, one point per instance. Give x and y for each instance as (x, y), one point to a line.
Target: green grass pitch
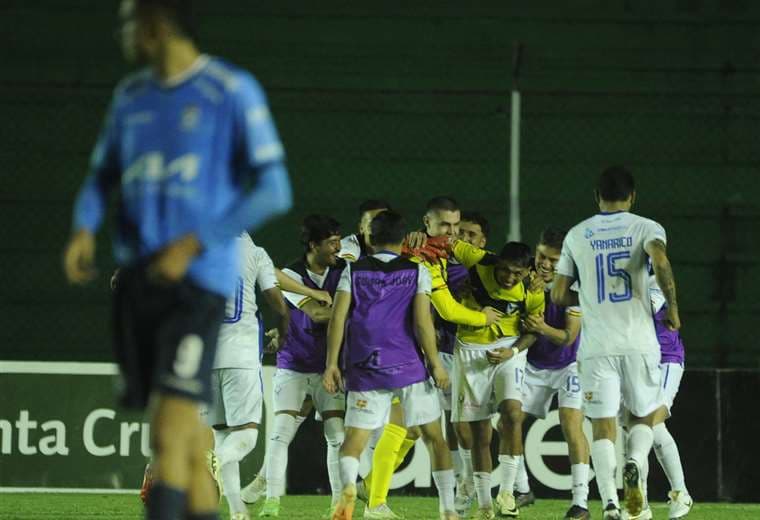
(83, 506)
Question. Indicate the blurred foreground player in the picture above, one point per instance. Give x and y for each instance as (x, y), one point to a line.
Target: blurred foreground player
(191, 148)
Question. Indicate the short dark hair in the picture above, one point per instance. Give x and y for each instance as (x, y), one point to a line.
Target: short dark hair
(552, 237)
(373, 204)
(516, 253)
(442, 203)
(316, 228)
(477, 218)
(179, 12)
(387, 228)
(615, 184)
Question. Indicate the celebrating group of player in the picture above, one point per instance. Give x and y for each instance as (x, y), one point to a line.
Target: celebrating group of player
(363, 347)
(381, 332)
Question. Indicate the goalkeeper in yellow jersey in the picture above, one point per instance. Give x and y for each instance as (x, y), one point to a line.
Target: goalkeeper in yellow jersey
(489, 364)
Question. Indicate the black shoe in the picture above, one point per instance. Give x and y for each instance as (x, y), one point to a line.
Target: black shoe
(632, 490)
(611, 512)
(577, 513)
(525, 499)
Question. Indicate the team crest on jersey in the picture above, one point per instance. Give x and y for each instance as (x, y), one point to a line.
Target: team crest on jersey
(589, 233)
(361, 403)
(588, 396)
(512, 308)
(190, 116)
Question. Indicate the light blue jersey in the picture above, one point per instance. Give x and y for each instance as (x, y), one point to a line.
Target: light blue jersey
(198, 155)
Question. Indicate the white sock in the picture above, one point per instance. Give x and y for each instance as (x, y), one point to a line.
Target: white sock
(603, 455)
(666, 449)
(263, 470)
(219, 437)
(640, 439)
(580, 484)
(466, 456)
(445, 482)
(349, 470)
(456, 460)
(237, 445)
(282, 434)
(231, 484)
(509, 466)
(334, 437)
(483, 488)
(644, 475)
(522, 485)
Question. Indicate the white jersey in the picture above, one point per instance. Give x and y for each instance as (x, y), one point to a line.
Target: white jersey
(605, 254)
(239, 343)
(656, 295)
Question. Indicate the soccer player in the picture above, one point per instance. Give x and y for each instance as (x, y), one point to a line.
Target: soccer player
(384, 303)
(235, 410)
(356, 246)
(190, 145)
(489, 364)
(552, 370)
(671, 371)
(441, 219)
(301, 360)
(619, 355)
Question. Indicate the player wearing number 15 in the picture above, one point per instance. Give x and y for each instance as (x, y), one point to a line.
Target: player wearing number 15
(191, 148)
(619, 354)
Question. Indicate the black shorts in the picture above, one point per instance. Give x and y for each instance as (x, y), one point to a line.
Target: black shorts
(165, 337)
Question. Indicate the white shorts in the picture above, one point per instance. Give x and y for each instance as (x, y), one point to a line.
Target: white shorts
(445, 395)
(478, 387)
(634, 378)
(540, 385)
(236, 397)
(290, 389)
(670, 381)
(369, 410)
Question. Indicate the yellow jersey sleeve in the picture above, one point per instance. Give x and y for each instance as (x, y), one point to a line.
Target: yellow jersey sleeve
(451, 310)
(468, 255)
(535, 302)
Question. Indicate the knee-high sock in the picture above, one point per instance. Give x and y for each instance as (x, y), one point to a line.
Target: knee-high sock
(467, 470)
(232, 449)
(282, 434)
(349, 470)
(603, 455)
(640, 440)
(580, 484)
(384, 461)
(334, 436)
(522, 484)
(482, 481)
(666, 449)
(510, 464)
(445, 482)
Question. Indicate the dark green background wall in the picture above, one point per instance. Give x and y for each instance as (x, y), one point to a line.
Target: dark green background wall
(405, 100)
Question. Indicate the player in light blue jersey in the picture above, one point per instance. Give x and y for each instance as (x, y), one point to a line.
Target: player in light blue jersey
(191, 149)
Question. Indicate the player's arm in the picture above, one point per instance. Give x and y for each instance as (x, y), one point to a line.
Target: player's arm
(91, 202)
(450, 309)
(290, 285)
(264, 186)
(425, 334)
(561, 293)
(663, 273)
(335, 329)
(560, 337)
(316, 311)
(467, 254)
(276, 302)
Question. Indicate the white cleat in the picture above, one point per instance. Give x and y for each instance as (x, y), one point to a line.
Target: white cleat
(483, 514)
(646, 514)
(506, 505)
(680, 504)
(254, 491)
(612, 512)
(464, 497)
(381, 512)
(633, 489)
(240, 516)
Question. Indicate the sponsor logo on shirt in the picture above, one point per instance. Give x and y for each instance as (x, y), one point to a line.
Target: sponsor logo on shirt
(190, 116)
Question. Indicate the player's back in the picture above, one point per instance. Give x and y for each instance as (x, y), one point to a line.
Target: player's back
(181, 149)
(607, 252)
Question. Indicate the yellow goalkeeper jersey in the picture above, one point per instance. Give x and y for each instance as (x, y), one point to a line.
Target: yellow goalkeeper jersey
(485, 291)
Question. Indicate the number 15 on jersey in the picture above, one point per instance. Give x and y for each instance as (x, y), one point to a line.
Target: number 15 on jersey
(609, 276)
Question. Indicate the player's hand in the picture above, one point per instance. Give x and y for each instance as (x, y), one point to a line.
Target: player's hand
(672, 319)
(115, 279)
(274, 343)
(172, 262)
(331, 379)
(534, 323)
(499, 355)
(537, 283)
(79, 258)
(416, 239)
(492, 315)
(322, 297)
(440, 376)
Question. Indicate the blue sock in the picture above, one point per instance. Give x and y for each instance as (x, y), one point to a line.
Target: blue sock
(166, 502)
